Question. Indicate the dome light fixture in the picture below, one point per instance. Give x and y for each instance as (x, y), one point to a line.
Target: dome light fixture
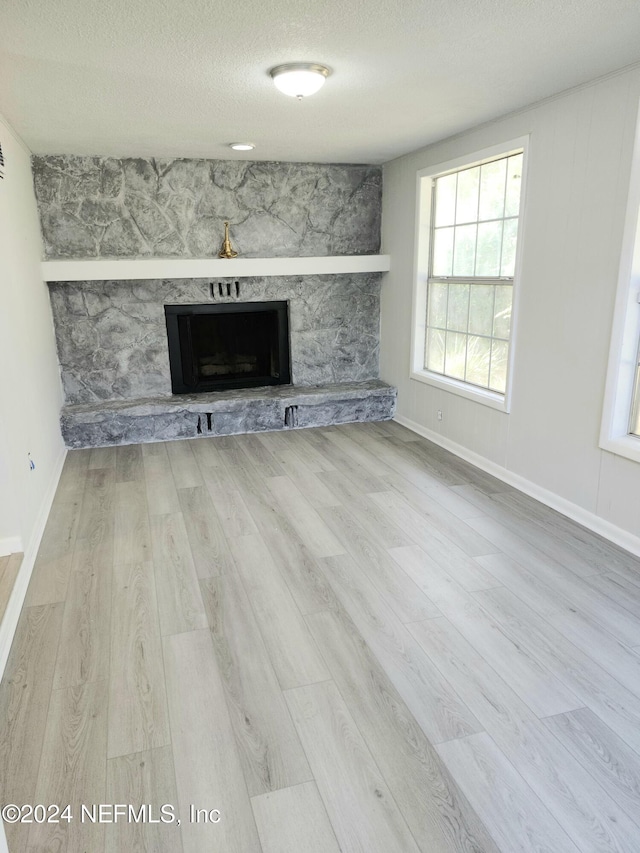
(299, 79)
(242, 146)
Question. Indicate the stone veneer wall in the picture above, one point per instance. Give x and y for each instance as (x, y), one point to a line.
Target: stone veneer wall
(112, 338)
(103, 207)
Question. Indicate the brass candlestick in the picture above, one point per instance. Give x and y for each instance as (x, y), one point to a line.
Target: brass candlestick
(227, 251)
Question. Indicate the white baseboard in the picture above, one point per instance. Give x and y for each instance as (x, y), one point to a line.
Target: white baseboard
(577, 513)
(16, 599)
(10, 545)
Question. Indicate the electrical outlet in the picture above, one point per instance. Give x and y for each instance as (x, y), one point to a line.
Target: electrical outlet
(439, 414)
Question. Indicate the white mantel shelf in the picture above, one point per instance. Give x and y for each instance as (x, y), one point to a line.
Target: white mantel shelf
(161, 268)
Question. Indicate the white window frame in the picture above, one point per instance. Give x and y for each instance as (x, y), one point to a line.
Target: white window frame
(625, 333)
(424, 210)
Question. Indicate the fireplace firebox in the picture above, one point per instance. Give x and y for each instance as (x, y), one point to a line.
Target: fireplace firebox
(232, 345)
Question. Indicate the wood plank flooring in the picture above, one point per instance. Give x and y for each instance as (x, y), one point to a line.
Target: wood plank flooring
(340, 639)
(9, 568)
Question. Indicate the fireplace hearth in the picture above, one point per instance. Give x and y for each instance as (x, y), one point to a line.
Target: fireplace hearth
(227, 346)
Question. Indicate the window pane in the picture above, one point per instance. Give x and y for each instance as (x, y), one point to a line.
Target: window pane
(467, 197)
(488, 252)
(474, 233)
(502, 313)
(465, 250)
(445, 200)
(478, 358)
(455, 355)
(481, 309)
(634, 427)
(514, 183)
(435, 351)
(635, 422)
(509, 237)
(437, 313)
(498, 378)
(492, 180)
(442, 251)
(458, 311)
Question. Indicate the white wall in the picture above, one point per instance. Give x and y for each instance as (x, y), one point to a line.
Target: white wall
(580, 155)
(30, 389)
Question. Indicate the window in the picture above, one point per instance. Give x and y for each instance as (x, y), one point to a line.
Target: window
(469, 223)
(634, 427)
(620, 431)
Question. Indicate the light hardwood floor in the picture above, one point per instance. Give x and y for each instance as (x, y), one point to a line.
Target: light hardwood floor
(343, 639)
(9, 568)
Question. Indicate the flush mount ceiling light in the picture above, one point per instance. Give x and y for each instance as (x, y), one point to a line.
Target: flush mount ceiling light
(242, 146)
(300, 79)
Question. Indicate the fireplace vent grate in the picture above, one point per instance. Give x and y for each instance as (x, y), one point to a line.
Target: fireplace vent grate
(222, 287)
(291, 416)
(209, 417)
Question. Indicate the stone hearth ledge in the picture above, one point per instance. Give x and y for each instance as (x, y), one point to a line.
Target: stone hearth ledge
(116, 422)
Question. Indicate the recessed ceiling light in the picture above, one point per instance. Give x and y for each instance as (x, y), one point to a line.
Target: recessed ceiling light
(300, 79)
(241, 146)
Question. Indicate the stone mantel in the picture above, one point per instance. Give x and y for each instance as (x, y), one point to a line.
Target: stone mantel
(166, 268)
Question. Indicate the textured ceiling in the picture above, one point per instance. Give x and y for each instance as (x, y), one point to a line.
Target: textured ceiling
(167, 78)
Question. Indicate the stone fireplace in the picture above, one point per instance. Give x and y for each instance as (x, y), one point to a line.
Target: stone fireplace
(112, 335)
(114, 358)
(115, 334)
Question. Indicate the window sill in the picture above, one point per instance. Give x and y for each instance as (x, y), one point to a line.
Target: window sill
(453, 386)
(623, 445)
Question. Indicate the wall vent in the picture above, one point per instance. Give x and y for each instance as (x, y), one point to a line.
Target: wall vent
(1, 162)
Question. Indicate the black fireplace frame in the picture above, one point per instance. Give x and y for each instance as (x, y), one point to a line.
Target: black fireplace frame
(178, 383)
